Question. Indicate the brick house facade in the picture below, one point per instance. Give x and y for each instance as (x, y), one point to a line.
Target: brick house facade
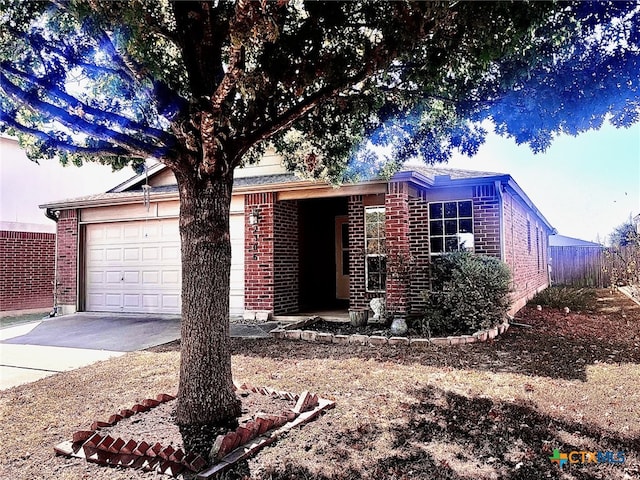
(297, 241)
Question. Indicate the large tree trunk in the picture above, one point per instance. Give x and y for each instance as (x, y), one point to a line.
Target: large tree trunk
(206, 397)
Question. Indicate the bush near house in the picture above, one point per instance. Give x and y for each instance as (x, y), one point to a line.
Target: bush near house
(468, 293)
(557, 296)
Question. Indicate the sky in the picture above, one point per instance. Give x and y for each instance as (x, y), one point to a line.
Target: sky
(585, 186)
(25, 184)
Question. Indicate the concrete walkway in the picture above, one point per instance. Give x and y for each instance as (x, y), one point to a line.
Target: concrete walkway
(38, 349)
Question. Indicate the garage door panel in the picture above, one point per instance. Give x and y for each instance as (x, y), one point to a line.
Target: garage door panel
(171, 277)
(136, 266)
(112, 299)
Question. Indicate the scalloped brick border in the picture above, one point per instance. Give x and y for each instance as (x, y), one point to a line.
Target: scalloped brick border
(230, 448)
(295, 331)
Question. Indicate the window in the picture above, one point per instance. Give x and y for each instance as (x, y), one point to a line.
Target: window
(538, 248)
(450, 226)
(375, 248)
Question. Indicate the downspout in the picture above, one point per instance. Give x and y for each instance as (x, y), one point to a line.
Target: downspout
(54, 215)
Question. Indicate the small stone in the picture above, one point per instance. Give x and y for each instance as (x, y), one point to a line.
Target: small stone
(177, 456)
(308, 335)
(341, 339)
(142, 448)
(278, 333)
(97, 425)
(440, 341)
(245, 434)
(293, 334)
(398, 341)
(358, 339)
(165, 397)
(419, 342)
(194, 462)
(150, 402)
(105, 443)
(129, 447)
(116, 445)
(138, 408)
(322, 337)
(166, 452)
(127, 412)
(82, 435)
(377, 340)
(115, 418)
(94, 440)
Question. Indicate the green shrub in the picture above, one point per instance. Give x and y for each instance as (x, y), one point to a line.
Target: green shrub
(468, 293)
(562, 296)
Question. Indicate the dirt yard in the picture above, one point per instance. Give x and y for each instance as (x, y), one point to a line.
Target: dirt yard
(484, 411)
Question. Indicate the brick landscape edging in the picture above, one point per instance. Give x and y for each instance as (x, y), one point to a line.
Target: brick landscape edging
(228, 449)
(296, 331)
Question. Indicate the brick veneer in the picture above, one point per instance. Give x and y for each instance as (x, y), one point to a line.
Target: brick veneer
(259, 286)
(286, 270)
(526, 257)
(26, 276)
(357, 284)
(419, 250)
(67, 275)
(398, 248)
(486, 220)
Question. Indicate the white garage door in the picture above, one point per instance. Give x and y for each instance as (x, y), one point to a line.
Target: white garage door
(134, 267)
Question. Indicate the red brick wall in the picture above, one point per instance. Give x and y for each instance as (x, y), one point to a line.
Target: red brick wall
(26, 276)
(526, 257)
(259, 287)
(398, 251)
(286, 269)
(67, 258)
(419, 249)
(486, 221)
(358, 297)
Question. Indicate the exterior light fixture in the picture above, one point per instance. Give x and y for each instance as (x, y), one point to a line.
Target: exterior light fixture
(254, 217)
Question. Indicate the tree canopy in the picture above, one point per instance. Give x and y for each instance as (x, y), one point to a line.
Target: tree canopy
(320, 81)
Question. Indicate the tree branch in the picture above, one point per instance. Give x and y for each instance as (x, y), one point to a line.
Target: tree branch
(75, 104)
(77, 123)
(100, 149)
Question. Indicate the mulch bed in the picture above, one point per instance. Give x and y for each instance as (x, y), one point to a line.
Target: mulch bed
(158, 423)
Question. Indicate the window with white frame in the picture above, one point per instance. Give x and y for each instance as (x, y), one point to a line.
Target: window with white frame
(375, 249)
(450, 226)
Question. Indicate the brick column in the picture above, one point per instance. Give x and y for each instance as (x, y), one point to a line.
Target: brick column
(357, 282)
(259, 285)
(419, 245)
(286, 257)
(67, 268)
(398, 251)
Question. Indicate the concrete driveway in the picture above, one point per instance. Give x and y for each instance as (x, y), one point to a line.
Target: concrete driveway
(36, 350)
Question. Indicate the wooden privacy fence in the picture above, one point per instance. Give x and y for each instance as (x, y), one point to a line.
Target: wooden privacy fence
(593, 266)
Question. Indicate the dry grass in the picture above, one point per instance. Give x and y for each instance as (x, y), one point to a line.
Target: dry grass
(495, 410)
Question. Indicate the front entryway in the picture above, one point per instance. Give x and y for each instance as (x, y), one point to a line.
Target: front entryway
(324, 267)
